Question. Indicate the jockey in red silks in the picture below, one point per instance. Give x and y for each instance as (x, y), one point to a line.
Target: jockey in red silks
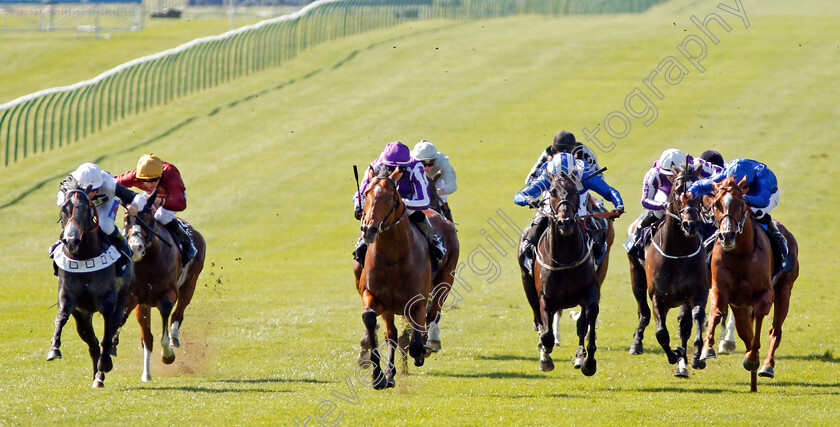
(413, 188)
(154, 174)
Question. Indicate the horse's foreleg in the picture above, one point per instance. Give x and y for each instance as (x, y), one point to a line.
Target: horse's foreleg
(435, 306)
(546, 343)
(391, 344)
(111, 305)
(144, 319)
(638, 283)
(165, 308)
(760, 309)
(717, 301)
(780, 311)
(84, 327)
(698, 314)
(592, 309)
(581, 327)
(416, 348)
(65, 306)
(727, 333)
(684, 317)
(369, 319)
(744, 327)
(660, 316)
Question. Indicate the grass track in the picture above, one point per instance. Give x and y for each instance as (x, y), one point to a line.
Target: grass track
(274, 326)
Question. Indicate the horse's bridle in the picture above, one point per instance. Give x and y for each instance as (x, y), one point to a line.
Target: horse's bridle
(739, 222)
(72, 217)
(381, 226)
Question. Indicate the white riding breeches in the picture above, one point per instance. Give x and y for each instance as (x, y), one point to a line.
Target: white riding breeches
(164, 216)
(774, 201)
(107, 213)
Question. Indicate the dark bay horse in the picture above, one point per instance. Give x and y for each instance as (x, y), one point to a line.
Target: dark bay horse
(84, 293)
(396, 278)
(162, 280)
(742, 264)
(674, 275)
(565, 274)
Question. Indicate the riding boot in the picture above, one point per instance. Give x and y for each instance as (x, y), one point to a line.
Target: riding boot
(710, 245)
(530, 239)
(634, 245)
(119, 242)
(781, 243)
(360, 250)
(187, 247)
(436, 247)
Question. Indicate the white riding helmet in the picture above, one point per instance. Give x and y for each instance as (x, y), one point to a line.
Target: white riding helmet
(88, 174)
(671, 157)
(424, 150)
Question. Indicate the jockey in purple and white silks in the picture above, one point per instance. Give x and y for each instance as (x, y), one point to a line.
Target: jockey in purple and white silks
(580, 171)
(413, 189)
(762, 196)
(656, 189)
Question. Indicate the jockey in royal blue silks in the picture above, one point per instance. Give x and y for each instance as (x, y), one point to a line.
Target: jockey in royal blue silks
(586, 179)
(762, 196)
(413, 188)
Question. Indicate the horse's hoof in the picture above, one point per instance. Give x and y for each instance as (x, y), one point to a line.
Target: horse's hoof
(390, 383)
(145, 378)
(766, 371)
(433, 346)
(379, 382)
(174, 342)
(53, 354)
(578, 362)
(364, 357)
(726, 347)
(698, 364)
(114, 350)
(636, 348)
(97, 383)
(707, 353)
(589, 367)
(546, 365)
(168, 360)
(750, 366)
(419, 360)
(681, 373)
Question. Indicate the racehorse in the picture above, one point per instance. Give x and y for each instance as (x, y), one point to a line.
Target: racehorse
(396, 278)
(565, 276)
(528, 280)
(742, 264)
(162, 280)
(93, 287)
(674, 275)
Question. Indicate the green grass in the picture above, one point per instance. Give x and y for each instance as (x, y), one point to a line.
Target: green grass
(274, 325)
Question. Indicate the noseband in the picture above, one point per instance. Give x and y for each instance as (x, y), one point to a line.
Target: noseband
(73, 214)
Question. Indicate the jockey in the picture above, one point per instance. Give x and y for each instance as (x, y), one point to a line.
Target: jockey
(657, 184)
(713, 157)
(435, 162)
(154, 174)
(413, 188)
(762, 196)
(587, 180)
(564, 142)
(105, 193)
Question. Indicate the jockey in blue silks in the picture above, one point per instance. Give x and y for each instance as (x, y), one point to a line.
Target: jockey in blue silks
(762, 196)
(580, 171)
(414, 192)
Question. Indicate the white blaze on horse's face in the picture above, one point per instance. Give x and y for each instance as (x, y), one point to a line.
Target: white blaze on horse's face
(728, 227)
(135, 242)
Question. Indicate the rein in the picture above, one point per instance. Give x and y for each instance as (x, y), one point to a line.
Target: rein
(561, 267)
(382, 227)
(92, 207)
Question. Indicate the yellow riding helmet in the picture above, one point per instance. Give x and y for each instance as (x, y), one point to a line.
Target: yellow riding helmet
(149, 167)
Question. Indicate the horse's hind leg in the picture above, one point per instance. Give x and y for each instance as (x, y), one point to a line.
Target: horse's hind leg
(727, 333)
(84, 327)
(144, 319)
(391, 344)
(65, 307)
(589, 364)
(780, 312)
(185, 294)
(684, 319)
(130, 303)
(718, 301)
(698, 314)
(639, 287)
(416, 349)
(434, 307)
(165, 307)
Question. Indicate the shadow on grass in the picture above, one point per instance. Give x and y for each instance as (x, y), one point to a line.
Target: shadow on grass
(775, 383)
(199, 389)
(489, 375)
(680, 390)
(273, 380)
(828, 357)
(506, 357)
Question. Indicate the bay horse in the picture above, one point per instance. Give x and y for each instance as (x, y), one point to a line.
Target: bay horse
(674, 275)
(396, 278)
(84, 293)
(565, 274)
(742, 264)
(162, 280)
(528, 279)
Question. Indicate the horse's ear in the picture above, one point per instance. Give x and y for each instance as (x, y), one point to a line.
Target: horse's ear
(369, 173)
(396, 174)
(743, 184)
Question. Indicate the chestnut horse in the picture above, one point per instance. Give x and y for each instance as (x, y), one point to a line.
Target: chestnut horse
(742, 264)
(565, 274)
(674, 275)
(84, 293)
(162, 281)
(396, 278)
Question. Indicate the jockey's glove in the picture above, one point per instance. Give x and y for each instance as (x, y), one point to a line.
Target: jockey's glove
(520, 199)
(358, 213)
